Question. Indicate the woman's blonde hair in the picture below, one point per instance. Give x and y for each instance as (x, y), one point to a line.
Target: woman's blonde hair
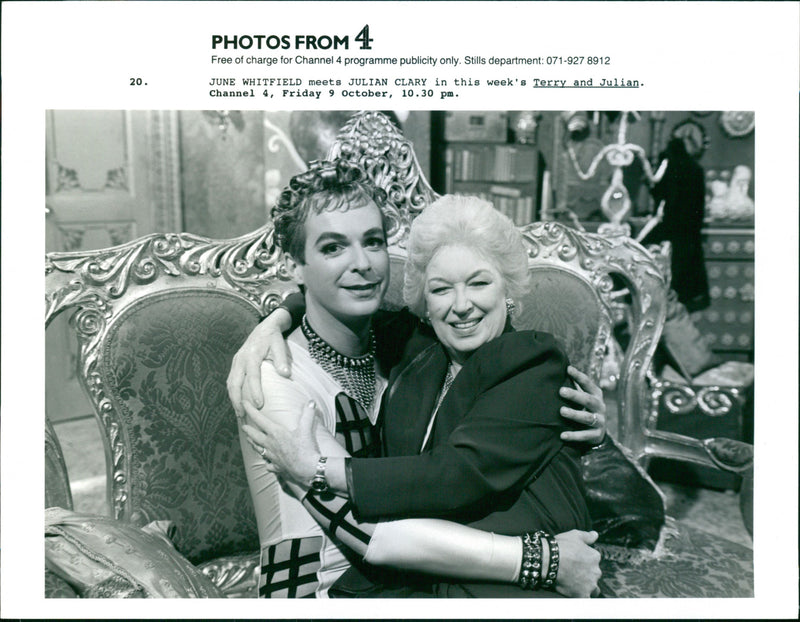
(464, 221)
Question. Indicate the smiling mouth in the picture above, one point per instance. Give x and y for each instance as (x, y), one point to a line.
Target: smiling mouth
(364, 288)
(466, 324)
(363, 285)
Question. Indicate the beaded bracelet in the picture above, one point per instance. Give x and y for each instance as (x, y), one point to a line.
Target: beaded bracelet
(531, 571)
(549, 578)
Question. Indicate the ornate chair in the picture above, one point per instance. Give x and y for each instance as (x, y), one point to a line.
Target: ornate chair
(582, 283)
(159, 319)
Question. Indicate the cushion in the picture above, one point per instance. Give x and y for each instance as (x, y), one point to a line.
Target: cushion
(627, 508)
(683, 340)
(729, 374)
(99, 557)
(56, 587)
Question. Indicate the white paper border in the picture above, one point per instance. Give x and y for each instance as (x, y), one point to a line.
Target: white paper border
(699, 56)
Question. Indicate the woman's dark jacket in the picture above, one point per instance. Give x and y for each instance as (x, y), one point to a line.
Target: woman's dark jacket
(495, 459)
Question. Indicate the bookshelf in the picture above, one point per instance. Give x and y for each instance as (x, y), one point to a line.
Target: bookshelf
(473, 156)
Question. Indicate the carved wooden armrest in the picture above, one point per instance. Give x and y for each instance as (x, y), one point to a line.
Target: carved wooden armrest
(713, 401)
(721, 453)
(730, 455)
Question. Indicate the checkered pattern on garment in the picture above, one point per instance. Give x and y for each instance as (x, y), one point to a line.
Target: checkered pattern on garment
(354, 428)
(289, 569)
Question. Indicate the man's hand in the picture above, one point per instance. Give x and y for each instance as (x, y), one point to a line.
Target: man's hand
(266, 341)
(593, 415)
(291, 453)
(579, 564)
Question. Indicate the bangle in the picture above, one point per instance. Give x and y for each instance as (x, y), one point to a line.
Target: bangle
(549, 578)
(530, 573)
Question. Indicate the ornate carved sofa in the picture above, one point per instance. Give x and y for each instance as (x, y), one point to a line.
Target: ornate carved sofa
(159, 319)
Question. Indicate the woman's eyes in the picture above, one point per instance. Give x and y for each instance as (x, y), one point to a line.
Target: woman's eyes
(476, 284)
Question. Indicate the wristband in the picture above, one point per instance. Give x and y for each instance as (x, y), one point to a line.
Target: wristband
(549, 579)
(530, 574)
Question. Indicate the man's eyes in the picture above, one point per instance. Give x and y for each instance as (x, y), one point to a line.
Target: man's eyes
(331, 249)
(376, 242)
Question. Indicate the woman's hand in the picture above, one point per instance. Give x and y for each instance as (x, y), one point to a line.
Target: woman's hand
(265, 341)
(593, 415)
(290, 453)
(579, 564)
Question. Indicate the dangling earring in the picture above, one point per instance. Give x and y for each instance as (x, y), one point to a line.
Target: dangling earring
(510, 307)
(427, 318)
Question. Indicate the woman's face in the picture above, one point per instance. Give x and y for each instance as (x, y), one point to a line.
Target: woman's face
(465, 300)
(346, 269)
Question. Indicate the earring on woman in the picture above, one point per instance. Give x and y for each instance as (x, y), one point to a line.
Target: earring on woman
(510, 307)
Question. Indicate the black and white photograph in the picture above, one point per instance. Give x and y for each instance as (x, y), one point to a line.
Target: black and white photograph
(366, 335)
(618, 243)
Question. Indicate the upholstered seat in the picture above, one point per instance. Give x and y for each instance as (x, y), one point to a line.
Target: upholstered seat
(159, 319)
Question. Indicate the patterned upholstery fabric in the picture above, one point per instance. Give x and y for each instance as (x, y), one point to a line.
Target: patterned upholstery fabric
(165, 364)
(393, 300)
(561, 304)
(691, 563)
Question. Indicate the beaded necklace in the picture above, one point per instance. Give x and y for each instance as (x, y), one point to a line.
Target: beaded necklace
(356, 375)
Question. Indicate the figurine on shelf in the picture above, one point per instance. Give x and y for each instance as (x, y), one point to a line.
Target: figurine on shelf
(731, 201)
(718, 204)
(739, 203)
(524, 125)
